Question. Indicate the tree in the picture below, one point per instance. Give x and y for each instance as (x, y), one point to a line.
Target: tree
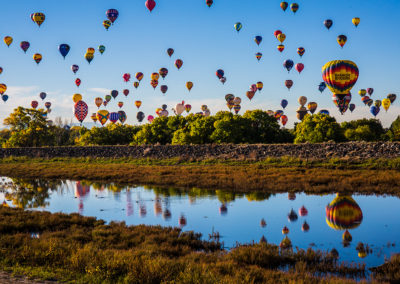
(318, 128)
(112, 134)
(264, 128)
(197, 131)
(363, 130)
(394, 130)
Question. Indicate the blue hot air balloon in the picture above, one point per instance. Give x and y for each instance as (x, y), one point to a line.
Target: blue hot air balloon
(374, 110)
(4, 97)
(258, 39)
(284, 104)
(352, 107)
(288, 64)
(324, 111)
(64, 49)
(322, 87)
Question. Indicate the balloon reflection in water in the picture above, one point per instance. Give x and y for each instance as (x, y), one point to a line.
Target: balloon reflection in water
(286, 243)
(223, 209)
(129, 204)
(81, 191)
(292, 216)
(157, 207)
(305, 227)
(263, 223)
(291, 196)
(182, 221)
(343, 213)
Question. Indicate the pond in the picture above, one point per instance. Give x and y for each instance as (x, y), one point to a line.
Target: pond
(321, 222)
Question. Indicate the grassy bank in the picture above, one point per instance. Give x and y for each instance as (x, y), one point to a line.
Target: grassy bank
(378, 176)
(85, 250)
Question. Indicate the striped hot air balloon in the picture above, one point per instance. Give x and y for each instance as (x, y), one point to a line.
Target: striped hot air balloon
(81, 111)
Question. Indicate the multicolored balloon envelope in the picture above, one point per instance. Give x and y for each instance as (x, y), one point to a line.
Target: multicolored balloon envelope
(343, 213)
(81, 111)
(122, 116)
(114, 117)
(38, 18)
(112, 15)
(340, 76)
(102, 116)
(25, 45)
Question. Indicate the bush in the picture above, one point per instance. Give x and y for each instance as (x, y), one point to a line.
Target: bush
(394, 130)
(363, 130)
(197, 131)
(318, 128)
(112, 134)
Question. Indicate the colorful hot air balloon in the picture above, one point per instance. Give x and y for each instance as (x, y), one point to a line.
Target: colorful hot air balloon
(209, 2)
(362, 92)
(105, 103)
(138, 104)
(76, 98)
(24, 45)
(42, 95)
(155, 76)
(343, 213)
(89, 57)
(94, 117)
(281, 37)
(122, 116)
(64, 49)
(284, 103)
(81, 111)
(1, 70)
(253, 88)
(250, 94)
(281, 47)
(340, 76)
(164, 88)
(98, 101)
(284, 6)
(352, 107)
(324, 111)
(220, 73)
(189, 85)
(277, 32)
(288, 84)
(154, 83)
(258, 39)
(47, 105)
(342, 102)
(258, 55)
(102, 116)
(38, 18)
(90, 50)
(139, 76)
(150, 5)
(107, 24)
(114, 93)
(392, 98)
(34, 104)
(284, 119)
(378, 103)
(150, 118)
(101, 49)
(328, 23)
(342, 39)
(120, 104)
(78, 82)
(238, 26)
(386, 104)
(170, 51)
(108, 98)
(259, 86)
(301, 51)
(114, 117)
(136, 84)
(299, 67)
(223, 80)
(126, 77)
(37, 57)
(294, 7)
(188, 108)
(312, 107)
(74, 68)
(370, 91)
(3, 88)
(163, 72)
(288, 64)
(8, 40)
(302, 100)
(356, 21)
(365, 99)
(322, 87)
(236, 108)
(178, 63)
(125, 92)
(112, 15)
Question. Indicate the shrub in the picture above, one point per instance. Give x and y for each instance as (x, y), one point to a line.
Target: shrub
(363, 130)
(318, 128)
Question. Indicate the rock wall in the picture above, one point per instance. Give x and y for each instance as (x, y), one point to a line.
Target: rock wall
(229, 151)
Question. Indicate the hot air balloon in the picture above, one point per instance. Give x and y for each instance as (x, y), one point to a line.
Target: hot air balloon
(136, 84)
(179, 108)
(94, 117)
(188, 108)
(154, 83)
(370, 91)
(342, 102)
(150, 118)
(34, 104)
(101, 49)
(170, 51)
(284, 103)
(125, 92)
(250, 94)
(102, 116)
(356, 21)
(108, 98)
(352, 107)
(303, 211)
(301, 51)
(342, 40)
(155, 76)
(114, 117)
(164, 88)
(189, 85)
(120, 104)
(107, 24)
(47, 105)
(1, 70)
(322, 87)
(302, 100)
(229, 97)
(362, 92)
(204, 107)
(278, 114)
(288, 64)
(163, 72)
(236, 108)
(89, 57)
(378, 103)
(74, 68)
(64, 49)
(285, 230)
(223, 80)
(38, 18)
(305, 227)
(114, 93)
(78, 82)
(253, 88)
(8, 40)
(258, 39)
(284, 6)
(76, 98)
(386, 104)
(236, 101)
(139, 76)
(238, 26)
(328, 23)
(392, 98)
(340, 76)
(122, 116)
(258, 55)
(301, 112)
(105, 103)
(294, 7)
(281, 47)
(3, 88)
(112, 15)
(24, 45)
(98, 101)
(42, 95)
(284, 119)
(37, 57)
(365, 99)
(90, 50)
(281, 37)
(288, 84)
(138, 104)
(286, 243)
(370, 102)
(230, 105)
(4, 97)
(178, 63)
(81, 111)
(220, 73)
(299, 67)
(126, 77)
(324, 111)
(312, 107)
(259, 86)
(277, 32)
(150, 5)
(209, 2)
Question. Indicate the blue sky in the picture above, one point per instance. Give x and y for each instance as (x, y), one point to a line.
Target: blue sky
(204, 38)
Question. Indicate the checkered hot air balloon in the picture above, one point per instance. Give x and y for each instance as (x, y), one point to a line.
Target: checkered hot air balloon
(81, 111)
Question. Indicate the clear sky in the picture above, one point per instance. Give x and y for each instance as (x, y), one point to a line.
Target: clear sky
(205, 39)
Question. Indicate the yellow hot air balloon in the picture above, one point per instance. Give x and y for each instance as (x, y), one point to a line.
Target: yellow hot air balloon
(138, 104)
(38, 18)
(340, 76)
(89, 57)
(189, 85)
(8, 40)
(76, 98)
(102, 116)
(94, 117)
(281, 38)
(155, 76)
(158, 111)
(3, 88)
(90, 50)
(356, 21)
(386, 104)
(37, 57)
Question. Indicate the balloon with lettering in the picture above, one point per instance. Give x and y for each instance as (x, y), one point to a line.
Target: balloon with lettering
(81, 111)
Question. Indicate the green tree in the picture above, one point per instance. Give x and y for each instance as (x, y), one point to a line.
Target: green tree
(363, 130)
(318, 128)
(394, 130)
(197, 131)
(230, 128)
(112, 134)
(263, 127)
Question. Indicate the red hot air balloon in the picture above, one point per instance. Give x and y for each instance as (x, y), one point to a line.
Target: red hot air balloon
(277, 32)
(178, 63)
(78, 82)
(81, 111)
(288, 84)
(284, 119)
(209, 2)
(34, 104)
(299, 67)
(150, 4)
(125, 92)
(281, 47)
(126, 77)
(112, 15)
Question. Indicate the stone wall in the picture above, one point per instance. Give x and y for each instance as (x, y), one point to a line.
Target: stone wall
(229, 151)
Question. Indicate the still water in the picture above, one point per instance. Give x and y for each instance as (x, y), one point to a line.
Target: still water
(238, 218)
